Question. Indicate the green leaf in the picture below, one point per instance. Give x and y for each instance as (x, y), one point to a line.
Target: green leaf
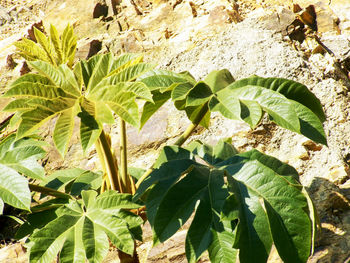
(45, 43)
(73, 250)
(48, 241)
(32, 120)
(14, 188)
(69, 44)
(19, 104)
(54, 49)
(310, 126)
(22, 156)
(126, 107)
(199, 94)
(41, 215)
(112, 200)
(32, 90)
(213, 155)
(221, 249)
(271, 207)
(55, 40)
(69, 84)
(48, 70)
(164, 80)
(275, 104)
(82, 229)
(291, 89)
(1, 206)
(90, 129)
(74, 180)
(30, 50)
(151, 107)
(219, 79)
(95, 241)
(63, 130)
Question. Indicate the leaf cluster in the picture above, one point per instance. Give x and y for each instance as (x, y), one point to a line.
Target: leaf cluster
(55, 49)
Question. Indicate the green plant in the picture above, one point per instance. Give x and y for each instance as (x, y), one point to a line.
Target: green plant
(242, 202)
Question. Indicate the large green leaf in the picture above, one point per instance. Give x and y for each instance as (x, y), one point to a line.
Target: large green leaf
(264, 204)
(271, 208)
(82, 229)
(180, 185)
(291, 89)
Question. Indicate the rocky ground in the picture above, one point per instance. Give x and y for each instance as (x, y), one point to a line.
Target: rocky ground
(246, 37)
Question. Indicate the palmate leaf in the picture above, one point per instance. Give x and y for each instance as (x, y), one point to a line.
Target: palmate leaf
(168, 210)
(54, 49)
(19, 158)
(263, 204)
(288, 103)
(82, 229)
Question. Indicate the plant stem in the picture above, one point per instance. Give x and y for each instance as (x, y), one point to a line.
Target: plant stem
(182, 139)
(187, 133)
(107, 159)
(49, 191)
(125, 180)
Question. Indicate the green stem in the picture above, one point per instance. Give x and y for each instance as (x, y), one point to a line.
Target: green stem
(125, 180)
(107, 159)
(182, 139)
(187, 133)
(49, 191)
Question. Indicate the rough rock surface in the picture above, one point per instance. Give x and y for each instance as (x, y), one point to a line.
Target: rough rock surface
(246, 37)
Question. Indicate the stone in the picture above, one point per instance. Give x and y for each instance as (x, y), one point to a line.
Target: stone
(338, 174)
(100, 9)
(39, 26)
(312, 146)
(13, 253)
(10, 62)
(4, 16)
(220, 15)
(88, 48)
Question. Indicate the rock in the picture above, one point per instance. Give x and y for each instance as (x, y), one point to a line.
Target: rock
(39, 26)
(13, 253)
(88, 49)
(312, 146)
(100, 9)
(10, 62)
(95, 47)
(220, 15)
(4, 16)
(114, 7)
(338, 174)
